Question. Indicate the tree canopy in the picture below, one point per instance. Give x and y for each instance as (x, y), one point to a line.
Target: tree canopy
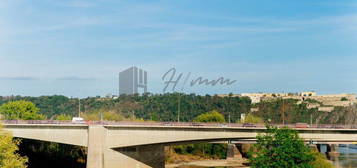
(155, 107)
(283, 147)
(250, 118)
(63, 117)
(213, 116)
(20, 110)
(8, 156)
(164, 107)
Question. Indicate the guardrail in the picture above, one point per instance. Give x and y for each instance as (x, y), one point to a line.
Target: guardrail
(178, 124)
(193, 124)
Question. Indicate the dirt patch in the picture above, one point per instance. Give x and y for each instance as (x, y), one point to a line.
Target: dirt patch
(210, 163)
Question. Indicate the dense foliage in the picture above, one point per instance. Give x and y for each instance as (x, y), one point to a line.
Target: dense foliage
(205, 150)
(340, 115)
(281, 148)
(24, 110)
(63, 117)
(250, 118)
(156, 107)
(54, 155)
(213, 116)
(164, 107)
(9, 158)
(320, 161)
(288, 110)
(41, 154)
(284, 148)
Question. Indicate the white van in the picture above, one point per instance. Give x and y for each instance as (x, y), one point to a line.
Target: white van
(78, 120)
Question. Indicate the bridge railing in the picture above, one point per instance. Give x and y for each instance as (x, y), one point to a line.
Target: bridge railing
(179, 124)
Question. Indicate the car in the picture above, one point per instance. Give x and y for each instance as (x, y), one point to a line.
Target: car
(167, 124)
(338, 127)
(302, 125)
(324, 126)
(78, 120)
(222, 125)
(249, 125)
(196, 124)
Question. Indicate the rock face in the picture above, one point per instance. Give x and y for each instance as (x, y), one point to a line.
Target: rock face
(233, 152)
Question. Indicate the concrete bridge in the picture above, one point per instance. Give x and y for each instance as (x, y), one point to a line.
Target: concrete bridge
(142, 145)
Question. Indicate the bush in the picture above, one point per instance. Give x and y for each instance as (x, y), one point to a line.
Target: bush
(63, 117)
(20, 110)
(280, 148)
(213, 116)
(8, 156)
(320, 161)
(250, 118)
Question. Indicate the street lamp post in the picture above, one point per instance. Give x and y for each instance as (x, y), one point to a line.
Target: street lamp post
(79, 107)
(178, 107)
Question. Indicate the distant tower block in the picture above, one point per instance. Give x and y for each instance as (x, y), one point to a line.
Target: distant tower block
(130, 80)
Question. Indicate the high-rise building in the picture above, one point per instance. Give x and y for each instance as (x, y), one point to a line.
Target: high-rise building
(131, 80)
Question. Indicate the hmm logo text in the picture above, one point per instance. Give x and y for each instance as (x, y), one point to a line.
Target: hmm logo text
(170, 79)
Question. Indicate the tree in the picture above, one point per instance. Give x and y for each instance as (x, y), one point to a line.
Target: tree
(281, 148)
(320, 161)
(8, 156)
(20, 110)
(213, 116)
(205, 149)
(157, 107)
(63, 117)
(250, 118)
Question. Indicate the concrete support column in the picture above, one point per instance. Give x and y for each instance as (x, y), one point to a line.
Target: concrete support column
(233, 152)
(96, 139)
(333, 152)
(319, 147)
(100, 156)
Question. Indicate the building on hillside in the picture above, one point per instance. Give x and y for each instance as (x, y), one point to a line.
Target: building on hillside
(307, 94)
(329, 101)
(326, 109)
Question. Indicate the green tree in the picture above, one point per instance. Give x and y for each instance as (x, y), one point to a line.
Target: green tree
(217, 151)
(63, 117)
(250, 118)
(213, 116)
(320, 161)
(8, 156)
(20, 110)
(279, 148)
(104, 114)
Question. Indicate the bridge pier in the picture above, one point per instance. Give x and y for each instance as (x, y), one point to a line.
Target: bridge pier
(96, 137)
(232, 152)
(333, 152)
(100, 156)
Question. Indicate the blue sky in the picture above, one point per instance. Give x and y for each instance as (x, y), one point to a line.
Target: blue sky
(77, 48)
